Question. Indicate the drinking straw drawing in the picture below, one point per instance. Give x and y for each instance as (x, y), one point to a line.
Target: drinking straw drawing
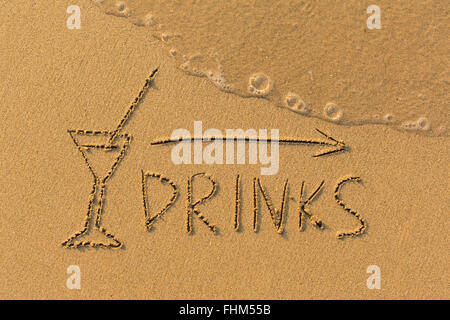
(92, 221)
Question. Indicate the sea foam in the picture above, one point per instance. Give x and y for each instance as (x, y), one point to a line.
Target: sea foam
(314, 58)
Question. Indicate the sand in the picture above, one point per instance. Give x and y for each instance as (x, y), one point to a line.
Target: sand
(55, 79)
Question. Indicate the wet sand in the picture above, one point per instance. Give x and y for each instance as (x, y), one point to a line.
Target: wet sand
(321, 52)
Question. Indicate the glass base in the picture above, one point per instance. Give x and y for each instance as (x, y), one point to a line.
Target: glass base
(94, 238)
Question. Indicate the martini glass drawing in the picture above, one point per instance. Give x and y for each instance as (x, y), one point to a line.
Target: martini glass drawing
(93, 234)
(94, 147)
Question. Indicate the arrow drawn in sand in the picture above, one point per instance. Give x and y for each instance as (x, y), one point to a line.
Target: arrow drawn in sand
(336, 145)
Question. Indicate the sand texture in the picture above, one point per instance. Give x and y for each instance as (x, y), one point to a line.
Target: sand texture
(388, 186)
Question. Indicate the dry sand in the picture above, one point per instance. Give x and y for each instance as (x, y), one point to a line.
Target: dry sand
(55, 79)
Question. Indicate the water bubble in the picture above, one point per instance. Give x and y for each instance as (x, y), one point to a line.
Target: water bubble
(121, 6)
(218, 79)
(295, 103)
(409, 125)
(423, 124)
(333, 112)
(191, 70)
(259, 84)
(389, 117)
(120, 9)
(173, 52)
(196, 72)
(165, 37)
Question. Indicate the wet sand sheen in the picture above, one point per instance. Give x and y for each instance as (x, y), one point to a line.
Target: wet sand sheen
(320, 53)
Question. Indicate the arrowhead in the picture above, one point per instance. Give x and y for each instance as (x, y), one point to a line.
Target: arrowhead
(339, 145)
